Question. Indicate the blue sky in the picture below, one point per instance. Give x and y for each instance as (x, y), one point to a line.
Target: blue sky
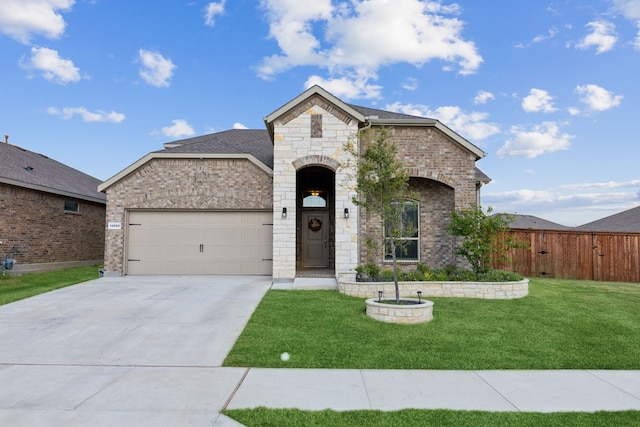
(549, 90)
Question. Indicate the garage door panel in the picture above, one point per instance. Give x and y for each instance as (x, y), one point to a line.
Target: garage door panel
(199, 243)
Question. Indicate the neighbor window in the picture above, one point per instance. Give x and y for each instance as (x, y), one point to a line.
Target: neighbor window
(70, 206)
(407, 244)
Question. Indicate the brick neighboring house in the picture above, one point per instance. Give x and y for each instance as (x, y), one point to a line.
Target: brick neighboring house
(278, 201)
(51, 215)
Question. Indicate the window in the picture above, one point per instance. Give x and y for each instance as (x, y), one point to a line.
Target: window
(70, 206)
(408, 242)
(314, 199)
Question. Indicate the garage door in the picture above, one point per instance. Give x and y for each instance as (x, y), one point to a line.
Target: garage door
(199, 243)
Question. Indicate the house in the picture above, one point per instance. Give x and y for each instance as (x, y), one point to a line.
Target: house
(51, 215)
(278, 201)
(531, 222)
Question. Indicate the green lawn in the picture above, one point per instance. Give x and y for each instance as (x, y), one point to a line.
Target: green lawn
(562, 324)
(14, 288)
(262, 417)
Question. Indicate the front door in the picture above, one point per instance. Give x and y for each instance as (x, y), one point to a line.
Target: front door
(315, 239)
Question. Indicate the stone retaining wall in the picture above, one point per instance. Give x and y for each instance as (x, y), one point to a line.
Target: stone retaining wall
(483, 290)
(404, 314)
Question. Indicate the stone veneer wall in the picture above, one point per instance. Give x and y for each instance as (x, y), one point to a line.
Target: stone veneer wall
(482, 290)
(205, 184)
(36, 222)
(444, 175)
(294, 148)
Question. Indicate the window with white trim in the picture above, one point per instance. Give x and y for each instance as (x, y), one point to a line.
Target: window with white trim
(407, 246)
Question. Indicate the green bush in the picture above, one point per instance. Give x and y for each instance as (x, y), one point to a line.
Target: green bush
(386, 275)
(423, 273)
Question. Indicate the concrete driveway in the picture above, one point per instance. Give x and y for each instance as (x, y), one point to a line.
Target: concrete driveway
(124, 351)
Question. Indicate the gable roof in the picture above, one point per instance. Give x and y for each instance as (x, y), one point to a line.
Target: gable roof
(24, 168)
(623, 222)
(366, 115)
(251, 141)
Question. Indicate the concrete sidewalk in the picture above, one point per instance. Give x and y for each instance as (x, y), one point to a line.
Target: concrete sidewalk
(388, 390)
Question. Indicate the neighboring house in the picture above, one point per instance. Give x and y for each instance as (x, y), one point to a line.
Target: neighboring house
(51, 216)
(279, 201)
(623, 222)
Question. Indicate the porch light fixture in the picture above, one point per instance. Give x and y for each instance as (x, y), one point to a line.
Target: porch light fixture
(346, 212)
(284, 212)
(380, 296)
(419, 296)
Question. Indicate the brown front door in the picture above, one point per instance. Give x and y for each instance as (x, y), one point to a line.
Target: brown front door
(315, 239)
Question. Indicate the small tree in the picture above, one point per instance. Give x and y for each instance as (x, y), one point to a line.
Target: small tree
(481, 236)
(382, 185)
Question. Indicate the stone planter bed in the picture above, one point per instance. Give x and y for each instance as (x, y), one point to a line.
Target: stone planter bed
(418, 312)
(483, 290)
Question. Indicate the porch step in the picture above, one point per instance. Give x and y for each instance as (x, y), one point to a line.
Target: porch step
(309, 283)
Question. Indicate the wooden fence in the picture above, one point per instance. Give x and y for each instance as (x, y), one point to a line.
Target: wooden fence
(576, 255)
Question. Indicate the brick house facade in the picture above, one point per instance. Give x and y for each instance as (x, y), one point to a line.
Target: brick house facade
(289, 184)
(51, 216)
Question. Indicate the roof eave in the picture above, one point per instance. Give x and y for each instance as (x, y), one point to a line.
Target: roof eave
(162, 155)
(52, 190)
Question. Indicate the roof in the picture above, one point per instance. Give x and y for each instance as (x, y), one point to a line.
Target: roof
(530, 222)
(623, 222)
(252, 141)
(24, 168)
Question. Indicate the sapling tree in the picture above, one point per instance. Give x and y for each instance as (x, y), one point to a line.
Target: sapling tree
(382, 187)
(484, 236)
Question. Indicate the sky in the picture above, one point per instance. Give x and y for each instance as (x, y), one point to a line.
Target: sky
(548, 89)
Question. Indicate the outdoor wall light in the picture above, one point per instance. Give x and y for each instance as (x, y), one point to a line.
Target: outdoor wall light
(419, 296)
(346, 212)
(380, 296)
(284, 212)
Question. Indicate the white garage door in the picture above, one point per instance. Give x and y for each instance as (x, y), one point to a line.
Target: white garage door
(199, 242)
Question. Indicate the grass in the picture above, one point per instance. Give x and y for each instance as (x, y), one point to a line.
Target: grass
(413, 417)
(14, 288)
(562, 324)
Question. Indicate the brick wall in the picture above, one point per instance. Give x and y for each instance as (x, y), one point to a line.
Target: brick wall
(208, 184)
(36, 222)
(443, 173)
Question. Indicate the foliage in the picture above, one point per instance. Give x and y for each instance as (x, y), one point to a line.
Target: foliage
(381, 184)
(561, 324)
(17, 287)
(262, 416)
(480, 234)
(422, 273)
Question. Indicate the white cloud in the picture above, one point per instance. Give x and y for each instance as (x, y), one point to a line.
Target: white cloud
(22, 19)
(68, 113)
(540, 139)
(156, 70)
(542, 37)
(239, 126)
(470, 125)
(345, 87)
(179, 128)
(602, 36)
(483, 97)
(410, 84)
(598, 98)
(361, 36)
(212, 10)
(629, 8)
(601, 185)
(538, 100)
(52, 66)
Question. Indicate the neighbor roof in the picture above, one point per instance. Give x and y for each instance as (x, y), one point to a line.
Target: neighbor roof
(531, 222)
(24, 168)
(624, 222)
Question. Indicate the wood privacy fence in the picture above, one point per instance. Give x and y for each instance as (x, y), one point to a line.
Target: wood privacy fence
(571, 254)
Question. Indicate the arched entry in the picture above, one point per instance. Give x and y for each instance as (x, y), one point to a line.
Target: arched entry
(315, 242)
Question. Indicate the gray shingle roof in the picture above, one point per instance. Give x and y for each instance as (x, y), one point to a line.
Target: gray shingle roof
(237, 141)
(383, 114)
(24, 168)
(530, 222)
(624, 222)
